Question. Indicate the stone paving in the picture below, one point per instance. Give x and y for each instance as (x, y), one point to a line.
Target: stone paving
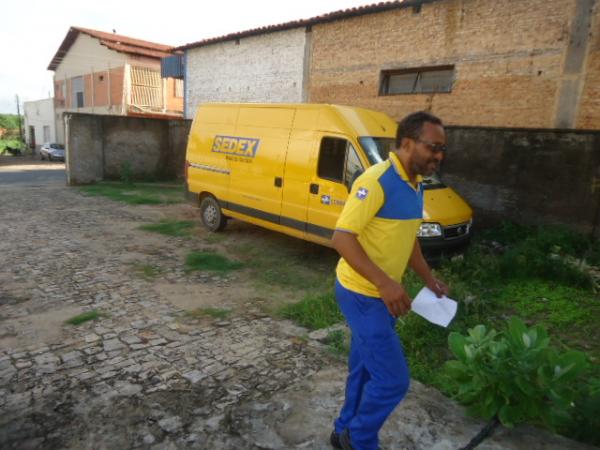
(63, 252)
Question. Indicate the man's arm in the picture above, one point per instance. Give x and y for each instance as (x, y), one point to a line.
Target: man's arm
(418, 264)
(392, 293)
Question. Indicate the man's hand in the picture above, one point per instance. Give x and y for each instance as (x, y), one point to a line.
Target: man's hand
(438, 287)
(395, 297)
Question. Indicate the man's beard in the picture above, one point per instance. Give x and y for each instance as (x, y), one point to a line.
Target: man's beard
(426, 168)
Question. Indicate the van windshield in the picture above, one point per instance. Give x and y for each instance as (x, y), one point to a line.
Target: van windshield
(378, 149)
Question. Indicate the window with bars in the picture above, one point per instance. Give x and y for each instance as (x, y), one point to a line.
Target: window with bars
(146, 88)
(423, 80)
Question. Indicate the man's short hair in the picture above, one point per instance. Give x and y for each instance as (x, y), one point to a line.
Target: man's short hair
(412, 125)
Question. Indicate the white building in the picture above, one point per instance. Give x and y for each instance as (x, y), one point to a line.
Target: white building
(266, 65)
(106, 73)
(39, 122)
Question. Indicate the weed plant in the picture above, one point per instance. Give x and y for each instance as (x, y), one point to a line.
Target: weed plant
(215, 313)
(126, 173)
(148, 272)
(84, 317)
(337, 344)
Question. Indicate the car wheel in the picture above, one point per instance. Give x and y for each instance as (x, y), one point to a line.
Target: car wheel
(211, 214)
(49, 157)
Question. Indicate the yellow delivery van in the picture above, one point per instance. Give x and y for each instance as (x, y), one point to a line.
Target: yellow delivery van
(289, 168)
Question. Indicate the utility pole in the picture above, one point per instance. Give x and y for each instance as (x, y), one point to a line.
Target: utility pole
(19, 119)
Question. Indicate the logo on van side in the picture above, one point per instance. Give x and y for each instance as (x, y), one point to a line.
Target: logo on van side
(238, 146)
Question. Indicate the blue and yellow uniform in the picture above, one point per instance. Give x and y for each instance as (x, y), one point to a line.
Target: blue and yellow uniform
(384, 210)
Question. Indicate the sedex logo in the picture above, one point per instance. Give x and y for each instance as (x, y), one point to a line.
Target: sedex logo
(238, 146)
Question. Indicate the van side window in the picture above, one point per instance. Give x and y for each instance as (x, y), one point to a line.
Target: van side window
(338, 161)
(353, 167)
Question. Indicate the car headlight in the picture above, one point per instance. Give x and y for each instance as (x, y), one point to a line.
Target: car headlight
(430, 230)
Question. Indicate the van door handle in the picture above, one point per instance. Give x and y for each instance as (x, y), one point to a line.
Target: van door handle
(314, 188)
(278, 181)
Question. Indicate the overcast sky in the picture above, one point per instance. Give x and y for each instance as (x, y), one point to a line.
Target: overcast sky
(32, 30)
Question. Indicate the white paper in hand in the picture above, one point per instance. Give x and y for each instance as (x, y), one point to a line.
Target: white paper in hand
(440, 311)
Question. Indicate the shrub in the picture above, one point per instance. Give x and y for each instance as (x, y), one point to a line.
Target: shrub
(514, 375)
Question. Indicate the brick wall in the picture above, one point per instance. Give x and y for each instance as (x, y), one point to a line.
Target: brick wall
(101, 88)
(265, 68)
(509, 58)
(589, 111)
(174, 103)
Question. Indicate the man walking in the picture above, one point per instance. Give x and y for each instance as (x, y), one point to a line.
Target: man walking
(376, 238)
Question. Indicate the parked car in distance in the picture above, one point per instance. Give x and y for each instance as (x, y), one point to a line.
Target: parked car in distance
(52, 152)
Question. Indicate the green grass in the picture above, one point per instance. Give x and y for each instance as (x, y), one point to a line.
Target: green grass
(177, 228)
(337, 344)
(540, 274)
(84, 317)
(137, 194)
(209, 261)
(529, 273)
(288, 263)
(216, 313)
(314, 311)
(215, 238)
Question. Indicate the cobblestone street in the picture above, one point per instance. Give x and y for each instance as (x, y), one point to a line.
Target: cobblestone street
(145, 373)
(149, 375)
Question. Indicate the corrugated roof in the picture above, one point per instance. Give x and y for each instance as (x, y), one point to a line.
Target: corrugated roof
(117, 42)
(324, 18)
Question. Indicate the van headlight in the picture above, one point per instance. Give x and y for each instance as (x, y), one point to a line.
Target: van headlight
(430, 230)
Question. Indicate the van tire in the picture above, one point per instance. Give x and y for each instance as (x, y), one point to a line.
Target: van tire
(211, 214)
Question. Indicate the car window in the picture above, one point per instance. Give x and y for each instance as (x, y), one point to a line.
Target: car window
(338, 161)
(57, 146)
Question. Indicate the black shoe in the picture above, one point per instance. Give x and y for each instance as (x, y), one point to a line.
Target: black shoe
(344, 440)
(334, 440)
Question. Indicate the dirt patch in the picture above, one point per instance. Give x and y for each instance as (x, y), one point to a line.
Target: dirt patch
(34, 329)
(196, 295)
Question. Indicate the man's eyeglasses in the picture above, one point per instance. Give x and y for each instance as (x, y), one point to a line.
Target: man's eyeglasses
(434, 147)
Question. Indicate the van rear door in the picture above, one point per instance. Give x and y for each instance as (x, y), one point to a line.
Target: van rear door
(256, 182)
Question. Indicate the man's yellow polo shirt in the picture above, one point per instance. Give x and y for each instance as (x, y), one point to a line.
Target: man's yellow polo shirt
(384, 210)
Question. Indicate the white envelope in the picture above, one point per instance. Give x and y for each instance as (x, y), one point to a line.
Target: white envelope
(436, 310)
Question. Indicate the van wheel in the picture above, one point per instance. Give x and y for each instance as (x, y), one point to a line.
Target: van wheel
(212, 217)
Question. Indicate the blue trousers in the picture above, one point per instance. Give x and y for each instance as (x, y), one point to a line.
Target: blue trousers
(378, 376)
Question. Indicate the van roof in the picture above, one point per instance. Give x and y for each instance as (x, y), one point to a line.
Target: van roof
(333, 118)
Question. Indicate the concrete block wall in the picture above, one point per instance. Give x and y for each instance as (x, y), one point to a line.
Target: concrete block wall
(268, 68)
(527, 176)
(100, 146)
(518, 63)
